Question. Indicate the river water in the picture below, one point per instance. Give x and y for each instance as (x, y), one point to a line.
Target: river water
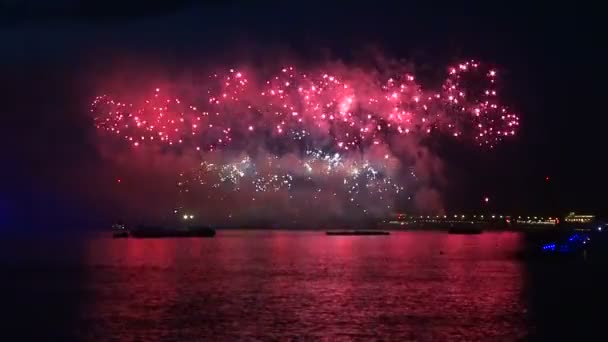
(285, 285)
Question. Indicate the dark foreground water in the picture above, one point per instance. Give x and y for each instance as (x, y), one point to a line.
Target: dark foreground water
(264, 285)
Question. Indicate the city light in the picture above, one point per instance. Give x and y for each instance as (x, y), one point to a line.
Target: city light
(510, 220)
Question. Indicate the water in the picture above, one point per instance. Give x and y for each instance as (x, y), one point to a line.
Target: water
(290, 285)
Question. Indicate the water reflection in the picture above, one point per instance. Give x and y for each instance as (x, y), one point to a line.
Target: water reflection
(264, 284)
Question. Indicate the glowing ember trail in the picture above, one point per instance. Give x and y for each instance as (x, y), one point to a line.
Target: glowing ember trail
(329, 134)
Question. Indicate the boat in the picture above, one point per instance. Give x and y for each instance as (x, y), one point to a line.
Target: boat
(119, 230)
(356, 232)
(394, 224)
(465, 230)
(575, 243)
(120, 234)
(162, 232)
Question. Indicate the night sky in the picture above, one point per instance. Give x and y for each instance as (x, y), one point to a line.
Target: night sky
(56, 56)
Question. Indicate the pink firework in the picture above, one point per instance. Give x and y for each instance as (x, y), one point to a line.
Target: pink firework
(329, 133)
(317, 108)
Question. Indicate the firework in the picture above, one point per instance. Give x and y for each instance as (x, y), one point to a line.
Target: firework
(299, 109)
(331, 122)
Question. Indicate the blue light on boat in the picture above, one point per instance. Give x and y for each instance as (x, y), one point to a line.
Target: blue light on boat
(573, 244)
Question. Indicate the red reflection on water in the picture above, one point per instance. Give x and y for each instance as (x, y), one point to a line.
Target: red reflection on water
(482, 277)
(281, 285)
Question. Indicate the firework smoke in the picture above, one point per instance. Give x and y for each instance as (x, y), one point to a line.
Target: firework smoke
(330, 143)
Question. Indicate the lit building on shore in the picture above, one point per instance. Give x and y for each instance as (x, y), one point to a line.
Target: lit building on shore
(495, 220)
(577, 218)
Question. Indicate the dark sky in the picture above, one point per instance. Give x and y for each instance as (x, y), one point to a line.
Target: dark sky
(551, 58)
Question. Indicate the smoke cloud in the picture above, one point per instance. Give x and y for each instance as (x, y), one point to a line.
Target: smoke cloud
(327, 143)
